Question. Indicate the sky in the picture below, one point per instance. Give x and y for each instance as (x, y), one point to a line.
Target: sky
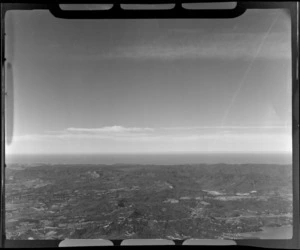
(150, 86)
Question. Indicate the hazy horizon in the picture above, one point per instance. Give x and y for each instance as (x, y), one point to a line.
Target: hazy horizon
(153, 158)
(165, 153)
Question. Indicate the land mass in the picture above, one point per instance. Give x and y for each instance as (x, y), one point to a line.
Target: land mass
(121, 201)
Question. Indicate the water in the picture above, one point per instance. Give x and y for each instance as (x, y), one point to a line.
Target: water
(283, 232)
(163, 159)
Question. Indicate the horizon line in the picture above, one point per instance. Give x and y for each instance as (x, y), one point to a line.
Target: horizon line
(167, 152)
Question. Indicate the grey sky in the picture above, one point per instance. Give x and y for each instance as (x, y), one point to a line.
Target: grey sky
(95, 86)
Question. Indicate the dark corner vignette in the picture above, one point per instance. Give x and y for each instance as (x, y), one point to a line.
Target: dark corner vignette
(116, 12)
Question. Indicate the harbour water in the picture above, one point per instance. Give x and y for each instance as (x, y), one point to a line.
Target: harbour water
(283, 232)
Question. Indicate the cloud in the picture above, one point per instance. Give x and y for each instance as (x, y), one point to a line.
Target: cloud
(228, 127)
(91, 143)
(114, 129)
(182, 40)
(167, 132)
(226, 45)
(190, 44)
(187, 133)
